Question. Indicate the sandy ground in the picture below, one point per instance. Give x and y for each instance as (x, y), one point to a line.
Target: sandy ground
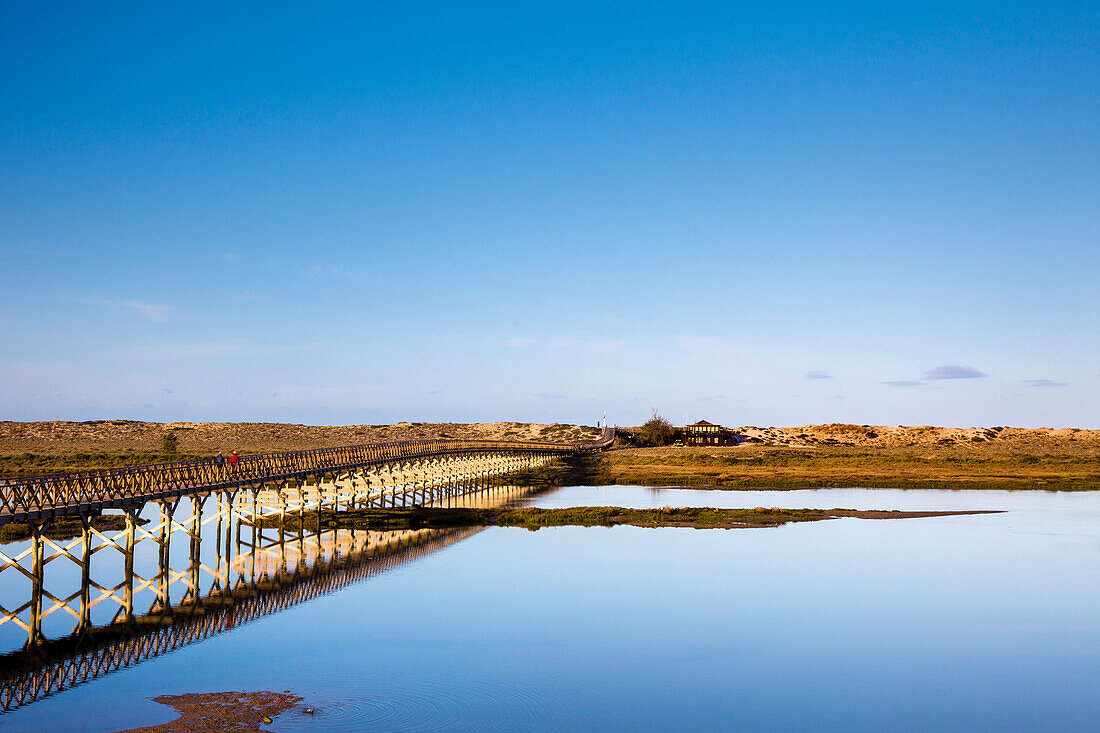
(882, 436)
(115, 436)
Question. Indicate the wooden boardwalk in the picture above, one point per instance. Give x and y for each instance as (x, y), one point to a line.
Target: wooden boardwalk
(37, 499)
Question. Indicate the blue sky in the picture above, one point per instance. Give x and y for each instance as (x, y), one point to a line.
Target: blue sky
(768, 214)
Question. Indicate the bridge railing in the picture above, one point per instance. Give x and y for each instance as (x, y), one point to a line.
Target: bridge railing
(35, 496)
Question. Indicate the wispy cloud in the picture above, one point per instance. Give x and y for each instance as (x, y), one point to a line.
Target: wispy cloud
(903, 383)
(581, 344)
(818, 374)
(711, 398)
(336, 271)
(1044, 383)
(746, 359)
(249, 295)
(953, 371)
(231, 257)
(550, 396)
(218, 347)
(311, 346)
(602, 345)
(149, 311)
(28, 376)
(329, 396)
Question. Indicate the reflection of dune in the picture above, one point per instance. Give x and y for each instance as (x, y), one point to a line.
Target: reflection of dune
(267, 574)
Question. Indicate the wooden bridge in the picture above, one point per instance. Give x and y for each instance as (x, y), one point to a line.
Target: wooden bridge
(190, 500)
(36, 499)
(131, 604)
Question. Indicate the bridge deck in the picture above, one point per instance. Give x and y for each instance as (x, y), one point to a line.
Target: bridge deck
(37, 498)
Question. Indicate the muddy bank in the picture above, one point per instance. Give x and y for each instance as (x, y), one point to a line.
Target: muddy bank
(214, 712)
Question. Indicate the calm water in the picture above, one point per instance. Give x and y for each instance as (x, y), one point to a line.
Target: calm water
(981, 622)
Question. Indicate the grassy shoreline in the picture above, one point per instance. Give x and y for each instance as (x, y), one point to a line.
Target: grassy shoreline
(829, 456)
(601, 516)
(763, 468)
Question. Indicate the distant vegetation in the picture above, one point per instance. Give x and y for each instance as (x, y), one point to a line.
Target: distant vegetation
(169, 445)
(654, 432)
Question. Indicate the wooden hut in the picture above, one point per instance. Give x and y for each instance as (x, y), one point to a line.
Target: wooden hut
(707, 433)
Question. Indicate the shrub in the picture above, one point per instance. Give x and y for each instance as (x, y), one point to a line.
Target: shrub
(655, 431)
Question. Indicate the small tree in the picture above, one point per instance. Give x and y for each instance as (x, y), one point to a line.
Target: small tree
(656, 431)
(169, 445)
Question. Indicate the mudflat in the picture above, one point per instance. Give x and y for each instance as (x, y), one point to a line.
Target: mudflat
(222, 712)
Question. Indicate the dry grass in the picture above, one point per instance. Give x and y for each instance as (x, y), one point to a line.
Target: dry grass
(39, 447)
(1010, 458)
(806, 456)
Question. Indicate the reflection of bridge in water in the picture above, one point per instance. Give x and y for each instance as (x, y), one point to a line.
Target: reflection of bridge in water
(223, 570)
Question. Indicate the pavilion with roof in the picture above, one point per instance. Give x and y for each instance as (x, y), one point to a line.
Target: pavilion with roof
(707, 433)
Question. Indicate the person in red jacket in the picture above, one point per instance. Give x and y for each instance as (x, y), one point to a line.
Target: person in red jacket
(233, 461)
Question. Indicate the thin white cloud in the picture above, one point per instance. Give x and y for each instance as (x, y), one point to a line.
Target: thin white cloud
(199, 349)
(569, 343)
(746, 359)
(335, 271)
(312, 346)
(954, 371)
(1044, 383)
(149, 311)
(588, 344)
(818, 374)
(903, 383)
(327, 397)
(29, 376)
(550, 396)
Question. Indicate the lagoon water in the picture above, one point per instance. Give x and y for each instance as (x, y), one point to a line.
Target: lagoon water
(987, 622)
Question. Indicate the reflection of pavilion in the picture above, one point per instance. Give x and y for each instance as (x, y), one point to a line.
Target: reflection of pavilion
(234, 574)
